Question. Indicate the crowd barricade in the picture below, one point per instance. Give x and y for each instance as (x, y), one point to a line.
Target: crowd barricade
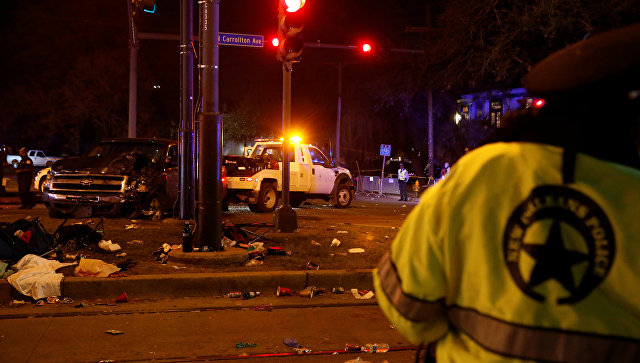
(371, 185)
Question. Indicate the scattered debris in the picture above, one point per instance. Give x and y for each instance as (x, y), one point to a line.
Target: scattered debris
(135, 242)
(36, 277)
(122, 298)
(278, 251)
(291, 342)
(356, 250)
(233, 294)
(254, 263)
(312, 266)
(250, 295)
(108, 246)
(335, 242)
(121, 254)
(17, 302)
(95, 268)
(308, 292)
(241, 345)
(114, 332)
(132, 226)
(338, 290)
(315, 243)
(342, 232)
(362, 294)
(262, 307)
(283, 291)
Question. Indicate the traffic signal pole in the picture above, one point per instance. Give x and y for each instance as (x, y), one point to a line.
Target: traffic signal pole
(186, 110)
(133, 72)
(209, 204)
(285, 218)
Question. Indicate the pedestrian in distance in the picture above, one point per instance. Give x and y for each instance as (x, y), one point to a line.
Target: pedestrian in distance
(403, 179)
(528, 251)
(24, 175)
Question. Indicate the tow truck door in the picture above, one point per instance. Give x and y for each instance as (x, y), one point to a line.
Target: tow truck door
(322, 176)
(304, 168)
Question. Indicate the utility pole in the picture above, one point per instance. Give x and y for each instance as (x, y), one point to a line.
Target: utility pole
(187, 176)
(339, 114)
(209, 204)
(133, 71)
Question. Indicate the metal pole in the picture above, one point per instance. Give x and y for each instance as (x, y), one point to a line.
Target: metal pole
(430, 130)
(133, 72)
(384, 161)
(285, 218)
(339, 113)
(186, 109)
(209, 206)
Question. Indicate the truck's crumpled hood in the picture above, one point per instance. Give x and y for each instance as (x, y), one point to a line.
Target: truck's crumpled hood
(122, 164)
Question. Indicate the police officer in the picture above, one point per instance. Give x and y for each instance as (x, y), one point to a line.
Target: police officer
(546, 270)
(403, 179)
(24, 174)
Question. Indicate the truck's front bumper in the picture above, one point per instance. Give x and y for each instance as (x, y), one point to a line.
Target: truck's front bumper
(100, 204)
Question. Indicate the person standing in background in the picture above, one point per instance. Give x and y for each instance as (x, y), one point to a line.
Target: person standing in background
(24, 174)
(403, 179)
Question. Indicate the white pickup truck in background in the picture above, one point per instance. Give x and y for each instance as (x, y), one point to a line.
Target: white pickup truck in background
(37, 156)
(256, 179)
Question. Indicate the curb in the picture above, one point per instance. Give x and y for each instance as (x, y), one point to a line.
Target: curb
(200, 284)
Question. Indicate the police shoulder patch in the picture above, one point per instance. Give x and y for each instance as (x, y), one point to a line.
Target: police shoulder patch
(558, 236)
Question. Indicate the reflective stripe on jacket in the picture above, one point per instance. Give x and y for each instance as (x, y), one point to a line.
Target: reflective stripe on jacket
(504, 262)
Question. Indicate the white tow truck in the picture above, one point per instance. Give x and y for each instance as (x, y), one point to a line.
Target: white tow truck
(256, 179)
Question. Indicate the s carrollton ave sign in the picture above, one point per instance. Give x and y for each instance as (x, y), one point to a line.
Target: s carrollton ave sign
(241, 40)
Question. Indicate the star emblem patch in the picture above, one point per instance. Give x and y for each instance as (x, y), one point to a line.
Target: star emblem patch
(558, 243)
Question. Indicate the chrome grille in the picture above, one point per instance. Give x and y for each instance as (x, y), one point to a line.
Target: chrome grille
(87, 184)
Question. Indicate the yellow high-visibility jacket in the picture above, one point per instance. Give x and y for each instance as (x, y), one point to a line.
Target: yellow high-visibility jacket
(507, 261)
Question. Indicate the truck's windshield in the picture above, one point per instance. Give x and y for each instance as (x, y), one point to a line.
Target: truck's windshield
(155, 152)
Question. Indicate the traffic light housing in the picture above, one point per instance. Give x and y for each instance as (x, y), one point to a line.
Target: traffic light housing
(290, 25)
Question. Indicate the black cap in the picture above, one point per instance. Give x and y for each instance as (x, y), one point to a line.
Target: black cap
(606, 64)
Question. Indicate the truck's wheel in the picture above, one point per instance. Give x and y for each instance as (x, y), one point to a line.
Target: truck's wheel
(343, 196)
(267, 198)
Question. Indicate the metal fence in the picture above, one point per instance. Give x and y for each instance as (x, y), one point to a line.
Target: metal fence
(371, 185)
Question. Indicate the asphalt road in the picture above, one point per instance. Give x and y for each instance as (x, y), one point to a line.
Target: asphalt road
(194, 330)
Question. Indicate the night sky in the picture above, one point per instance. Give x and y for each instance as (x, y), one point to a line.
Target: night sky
(46, 40)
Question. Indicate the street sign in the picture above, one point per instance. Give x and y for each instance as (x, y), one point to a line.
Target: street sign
(385, 150)
(241, 40)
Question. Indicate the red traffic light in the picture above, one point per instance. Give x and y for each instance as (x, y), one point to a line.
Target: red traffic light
(538, 103)
(366, 47)
(275, 42)
(292, 6)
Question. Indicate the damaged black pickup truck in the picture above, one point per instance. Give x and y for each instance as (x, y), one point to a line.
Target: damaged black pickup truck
(131, 177)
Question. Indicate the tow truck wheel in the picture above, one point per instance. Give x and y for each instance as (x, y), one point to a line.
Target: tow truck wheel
(343, 196)
(267, 198)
